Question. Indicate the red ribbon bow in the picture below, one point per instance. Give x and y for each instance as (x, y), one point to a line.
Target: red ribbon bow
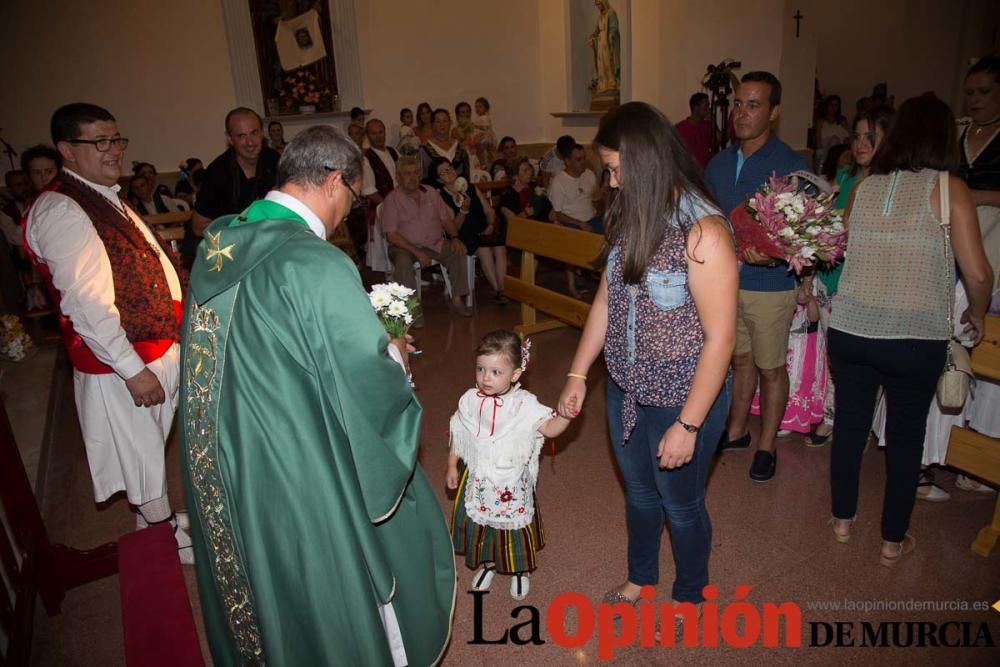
(497, 403)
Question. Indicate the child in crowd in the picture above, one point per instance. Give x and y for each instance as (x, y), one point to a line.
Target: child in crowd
(483, 126)
(407, 141)
(498, 432)
(807, 376)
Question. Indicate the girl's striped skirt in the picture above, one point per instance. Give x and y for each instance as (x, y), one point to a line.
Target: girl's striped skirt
(511, 551)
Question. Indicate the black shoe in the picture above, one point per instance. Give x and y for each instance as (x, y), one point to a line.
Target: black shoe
(816, 440)
(764, 463)
(739, 443)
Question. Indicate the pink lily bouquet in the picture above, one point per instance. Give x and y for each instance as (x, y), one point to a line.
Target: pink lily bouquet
(394, 305)
(784, 222)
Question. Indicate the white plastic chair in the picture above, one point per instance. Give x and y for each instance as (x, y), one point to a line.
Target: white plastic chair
(378, 260)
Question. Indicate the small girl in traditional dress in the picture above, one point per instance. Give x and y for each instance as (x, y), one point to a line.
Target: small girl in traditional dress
(498, 432)
(807, 370)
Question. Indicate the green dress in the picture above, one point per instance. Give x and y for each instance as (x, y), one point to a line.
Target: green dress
(300, 437)
(846, 180)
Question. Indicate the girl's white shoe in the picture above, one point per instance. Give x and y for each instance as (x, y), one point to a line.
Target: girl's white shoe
(482, 578)
(519, 586)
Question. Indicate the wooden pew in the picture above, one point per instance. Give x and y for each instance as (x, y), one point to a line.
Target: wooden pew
(168, 219)
(976, 453)
(170, 227)
(564, 244)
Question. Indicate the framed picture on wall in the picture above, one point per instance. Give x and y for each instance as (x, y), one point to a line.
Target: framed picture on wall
(295, 56)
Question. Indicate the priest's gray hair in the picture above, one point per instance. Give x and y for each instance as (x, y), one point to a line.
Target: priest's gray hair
(309, 158)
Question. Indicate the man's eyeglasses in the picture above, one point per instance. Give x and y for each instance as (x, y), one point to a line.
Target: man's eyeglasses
(356, 202)
(102, 145)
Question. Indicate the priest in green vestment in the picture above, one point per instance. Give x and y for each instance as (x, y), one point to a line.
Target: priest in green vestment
(318, 539)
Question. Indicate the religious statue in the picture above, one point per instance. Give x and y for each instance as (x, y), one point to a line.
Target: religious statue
(605, 42)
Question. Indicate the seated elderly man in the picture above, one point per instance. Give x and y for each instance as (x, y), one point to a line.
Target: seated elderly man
(416, 223)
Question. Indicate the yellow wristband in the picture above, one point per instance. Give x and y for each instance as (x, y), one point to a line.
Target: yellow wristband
(580, 376)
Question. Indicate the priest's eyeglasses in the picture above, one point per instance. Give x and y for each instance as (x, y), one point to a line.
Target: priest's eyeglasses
(356, 200)
(102, 145)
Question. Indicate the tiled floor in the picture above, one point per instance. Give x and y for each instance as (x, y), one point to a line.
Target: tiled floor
(772, 537)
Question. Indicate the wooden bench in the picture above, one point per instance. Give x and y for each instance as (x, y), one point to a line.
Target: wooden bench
(976, 453)
(564, 244)
(170, 226)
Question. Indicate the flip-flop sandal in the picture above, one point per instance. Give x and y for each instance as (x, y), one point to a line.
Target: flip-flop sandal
(615, 596)
(906, 546)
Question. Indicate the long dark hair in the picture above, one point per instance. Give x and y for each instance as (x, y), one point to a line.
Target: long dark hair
(921, 136)
(990, 64)
(830, 167)
(656, 169)
(879, 116)
(420, 109)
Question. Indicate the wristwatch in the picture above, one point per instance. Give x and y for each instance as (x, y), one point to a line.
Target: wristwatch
(690, 428)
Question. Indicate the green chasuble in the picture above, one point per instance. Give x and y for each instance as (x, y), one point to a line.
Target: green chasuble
(308, 510)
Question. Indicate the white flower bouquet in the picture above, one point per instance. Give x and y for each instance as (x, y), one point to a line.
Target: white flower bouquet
(394, 305)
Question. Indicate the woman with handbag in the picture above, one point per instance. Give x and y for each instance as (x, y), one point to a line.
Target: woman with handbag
(890, 324)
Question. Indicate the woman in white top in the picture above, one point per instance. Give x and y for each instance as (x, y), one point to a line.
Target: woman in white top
(889, 323)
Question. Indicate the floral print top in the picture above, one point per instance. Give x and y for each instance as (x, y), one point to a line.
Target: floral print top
(654, 336)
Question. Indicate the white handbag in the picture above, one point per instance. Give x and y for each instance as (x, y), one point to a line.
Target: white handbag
(953, 385)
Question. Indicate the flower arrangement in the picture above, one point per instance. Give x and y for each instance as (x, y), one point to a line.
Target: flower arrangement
(302, 87)
(15, 343)
(785, 222)
(394, 305)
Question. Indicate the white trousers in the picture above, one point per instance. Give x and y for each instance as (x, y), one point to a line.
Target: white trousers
(125, 444)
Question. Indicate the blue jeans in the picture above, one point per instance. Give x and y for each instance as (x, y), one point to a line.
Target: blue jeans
(651, 493)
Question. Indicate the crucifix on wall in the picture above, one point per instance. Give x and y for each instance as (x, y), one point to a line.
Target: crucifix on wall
(798, 20)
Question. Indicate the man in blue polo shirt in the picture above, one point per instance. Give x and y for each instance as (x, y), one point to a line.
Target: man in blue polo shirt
(767, 297)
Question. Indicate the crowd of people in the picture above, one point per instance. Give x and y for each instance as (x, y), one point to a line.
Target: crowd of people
(695, 338)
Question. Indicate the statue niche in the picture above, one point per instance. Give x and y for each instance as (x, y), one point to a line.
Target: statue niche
(605, 45)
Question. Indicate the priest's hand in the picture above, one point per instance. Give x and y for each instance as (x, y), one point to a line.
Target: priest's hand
(405, 347)
(146, 389)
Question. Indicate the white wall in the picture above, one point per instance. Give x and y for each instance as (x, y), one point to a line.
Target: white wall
(163, 67)
(160, 67)
(913, 45)
(447, 51)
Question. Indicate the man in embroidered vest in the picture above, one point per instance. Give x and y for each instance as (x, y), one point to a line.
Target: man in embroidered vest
(318, 538)
(119, 294)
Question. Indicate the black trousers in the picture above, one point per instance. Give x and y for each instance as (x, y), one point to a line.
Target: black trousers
(908, 369)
